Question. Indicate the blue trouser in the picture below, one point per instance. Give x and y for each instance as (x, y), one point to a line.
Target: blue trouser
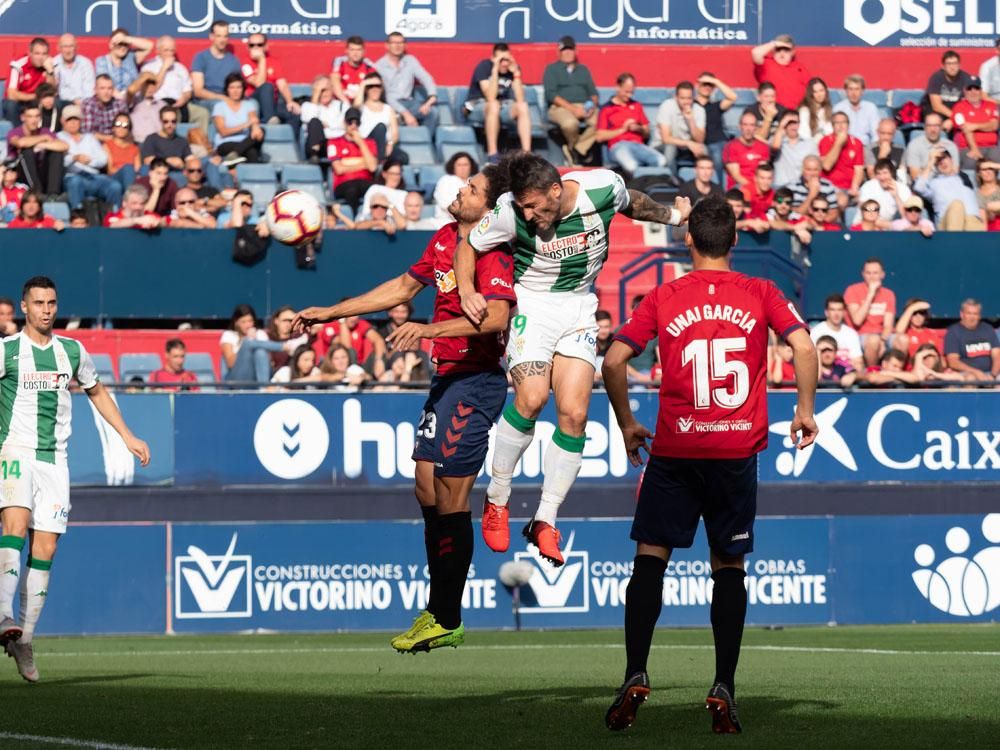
(253, 361)
(630, 155)
(715, 151)
(80, 186)
(124, 176)
(274, 106)
(413, 106)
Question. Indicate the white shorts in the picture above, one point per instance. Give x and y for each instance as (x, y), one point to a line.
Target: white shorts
(41, 487)
(550, 323)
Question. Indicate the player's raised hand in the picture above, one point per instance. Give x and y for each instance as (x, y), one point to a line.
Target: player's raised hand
(806, 426)
(635, 435)
(305, 319)
(683, 205)
(139, 449)
(474, 307)
(408, 335)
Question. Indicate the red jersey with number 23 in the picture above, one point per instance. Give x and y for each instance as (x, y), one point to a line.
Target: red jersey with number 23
(494, 280)
(713, 349)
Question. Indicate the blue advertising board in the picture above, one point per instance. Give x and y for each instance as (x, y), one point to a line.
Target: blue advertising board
(895, 23)
(372, 576)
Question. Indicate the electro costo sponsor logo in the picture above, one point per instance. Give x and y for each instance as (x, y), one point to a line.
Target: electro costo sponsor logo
(947, 23)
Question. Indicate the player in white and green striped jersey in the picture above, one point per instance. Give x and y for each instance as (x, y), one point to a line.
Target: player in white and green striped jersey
(36, 369)
(559, 230)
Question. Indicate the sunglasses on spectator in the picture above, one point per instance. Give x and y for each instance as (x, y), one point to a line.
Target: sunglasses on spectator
(255, 44)
(194, 170)
(122, 125)
(380, 205)
(166, 121)
(782, 200)
(913, 210)
(821, 208)
(872, 210)
(791, 122)
(825, 350)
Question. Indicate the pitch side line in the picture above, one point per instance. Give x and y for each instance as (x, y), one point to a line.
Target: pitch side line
(526, 647)
(70, 742)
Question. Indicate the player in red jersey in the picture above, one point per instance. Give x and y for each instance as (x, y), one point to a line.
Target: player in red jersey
(465, 399)
(713, 328)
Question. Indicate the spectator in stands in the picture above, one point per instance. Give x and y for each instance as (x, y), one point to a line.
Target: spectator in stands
(783, 218)
(30, 215)
(133, 213)
(715, 132)
(812, 185)
(976, 121)
(458, 170)
(245, 348)
(847, 339)
(823, 215)
(406, 367)
(767, 111)
(701, 186)
(100, 110)
(162, 189)
(349, 70)
(971, 345)
(121, 64)
(989, 74)
(622, 125)
(11, 191)
(945, 87)
(83, 161)
(955, 203)
(37, 151)
(790, 149)
(833, 369)
(398, 315)
(26, 75)
(781, 371)
(843, 157)
(742, 154)
(378, 119)
(209, 197)
(884, 148)
(279, 328)
(172, 83)
(124, 160)
(389, 183)
(166, 144)
(868, 213)
(571, 98)
(267, 85)
(8, 326)
(413, 214)
(775, 62)
(240, 213)
(409, 89)
(862, 114)
(744, 223)
(927, 362)
(605, 331)
(301, 367)
(353, 161)
(891, 370)
(911, 328)
(239, 136)
(496, 98)
(78, 219)
(146, 112)
(172, 374)
(920, 148)
(74, 73)
(816, 111)
(988, 193)
(323, 117)
(211, 67)
(382, 216)
(871, 308)
(912, 219)
(49, 107)
(680, 124)
(337, 367)
(187, 214)
(759, 193)
(885, 190)
(359, 337)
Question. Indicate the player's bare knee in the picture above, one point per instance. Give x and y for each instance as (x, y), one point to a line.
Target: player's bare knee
(14, 522)
(43, 547)
(529, 403)
(573, 420)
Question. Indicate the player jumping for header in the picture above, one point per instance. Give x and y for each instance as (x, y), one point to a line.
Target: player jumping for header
(466, 396)
(559, 229)
(712, 422)
(35, 373)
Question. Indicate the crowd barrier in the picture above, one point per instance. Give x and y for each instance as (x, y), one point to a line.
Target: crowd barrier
(179, 578)
(311, 439)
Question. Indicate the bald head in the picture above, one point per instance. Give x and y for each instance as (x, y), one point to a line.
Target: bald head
(67, 47)
(185, 196)
(166, 45)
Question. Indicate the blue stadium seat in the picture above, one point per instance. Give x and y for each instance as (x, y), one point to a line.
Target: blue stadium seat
(300, 89)
(56, 209)
(445, 115)
(653, 96)
(279, 133)
(899, 97)
(183, 128)
(744, 97)
(281, 152)
(647, 171)
(429, 176)
(604, 93)
(103, 365)
(410, 177)
(878, 97)
(347, 210)
(137, 365)
(200, 363)
(5, 127)
(305, 177)
(532, 95)
(414, 134)
(731, 120)
(685, 173)
(428, 211)
(447, 150)
(261, 180)
(454, 134)
(421, 153)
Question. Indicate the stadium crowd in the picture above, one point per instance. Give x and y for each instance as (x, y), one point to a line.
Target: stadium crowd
(139, 139)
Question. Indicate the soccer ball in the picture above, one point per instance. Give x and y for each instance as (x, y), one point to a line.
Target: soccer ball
(294, 217)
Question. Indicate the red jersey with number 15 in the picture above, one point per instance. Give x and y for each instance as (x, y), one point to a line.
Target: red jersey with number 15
(494, 280)
(713, 349)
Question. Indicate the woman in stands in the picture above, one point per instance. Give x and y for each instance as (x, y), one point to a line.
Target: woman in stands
(301, 367)
(988, 194)
(246, 349)
(323, 118)
(279, 328)
(378, 119)
(459, 169)
(124, 160)
(337, 367)
(239, 136)
(30, 216)
(815, 111)
(389, 183)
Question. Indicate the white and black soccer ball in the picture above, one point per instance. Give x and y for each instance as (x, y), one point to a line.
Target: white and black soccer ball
(294, 217)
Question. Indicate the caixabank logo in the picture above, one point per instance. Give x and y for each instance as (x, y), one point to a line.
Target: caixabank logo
(553, 590)
(212, 586)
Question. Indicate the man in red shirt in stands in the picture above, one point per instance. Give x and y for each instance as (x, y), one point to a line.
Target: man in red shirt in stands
(712, 422)
(622, 125)
(173, 371)
(759, 193)
(871, 310)
(775, 62)
(349, 70)
(133, 213)
(26, 75)
(842, 156)
(976, 120)
(742, 154)
(466, 396)
(268, 86)
(357, 335)
(353, 160)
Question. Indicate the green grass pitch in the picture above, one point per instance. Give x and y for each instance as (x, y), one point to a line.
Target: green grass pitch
(852, 687)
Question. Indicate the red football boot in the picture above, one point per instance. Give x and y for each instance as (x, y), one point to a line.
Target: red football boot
(496, 529)
(546, 538)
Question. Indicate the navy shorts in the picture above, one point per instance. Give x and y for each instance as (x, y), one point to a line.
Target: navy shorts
(675, 492)
(454, 428)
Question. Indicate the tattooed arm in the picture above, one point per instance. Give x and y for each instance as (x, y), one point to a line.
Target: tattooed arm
(643, 208)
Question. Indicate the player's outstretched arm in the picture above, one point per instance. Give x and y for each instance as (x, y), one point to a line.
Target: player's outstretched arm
(403, 288)
(806, 374)
(473, 303)
(108, 409)
(643, 208)
(615, 372)
(408, 335)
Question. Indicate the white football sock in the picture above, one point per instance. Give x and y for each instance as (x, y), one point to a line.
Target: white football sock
(34, 592)
(561, 464)
(514, 435)
(10, 572)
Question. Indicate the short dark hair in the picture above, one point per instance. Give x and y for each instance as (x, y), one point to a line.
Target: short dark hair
(599, 315)
(104, 77)
(828, 339)
(122, 30)
(168, 109)
(684, 86)
(217, 24)
(704, 157)
(6, 301)
(158, 162)
(765, 86)
(355, 40)
(895, 354)
(449, 166)
(37, 282)
(501, 47)
(884, 164)
(238, 312)
(33, 104)
(38, 41)
(764, 166)
(873, 259)
(950, 55)
(44, 90)
(734, 194)
(622, 77)
(234, 78)
(395, 33)
(174, 344)
(836, 299)
(784, 192)
(498, 180)
(529, 171)
(712, 227)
